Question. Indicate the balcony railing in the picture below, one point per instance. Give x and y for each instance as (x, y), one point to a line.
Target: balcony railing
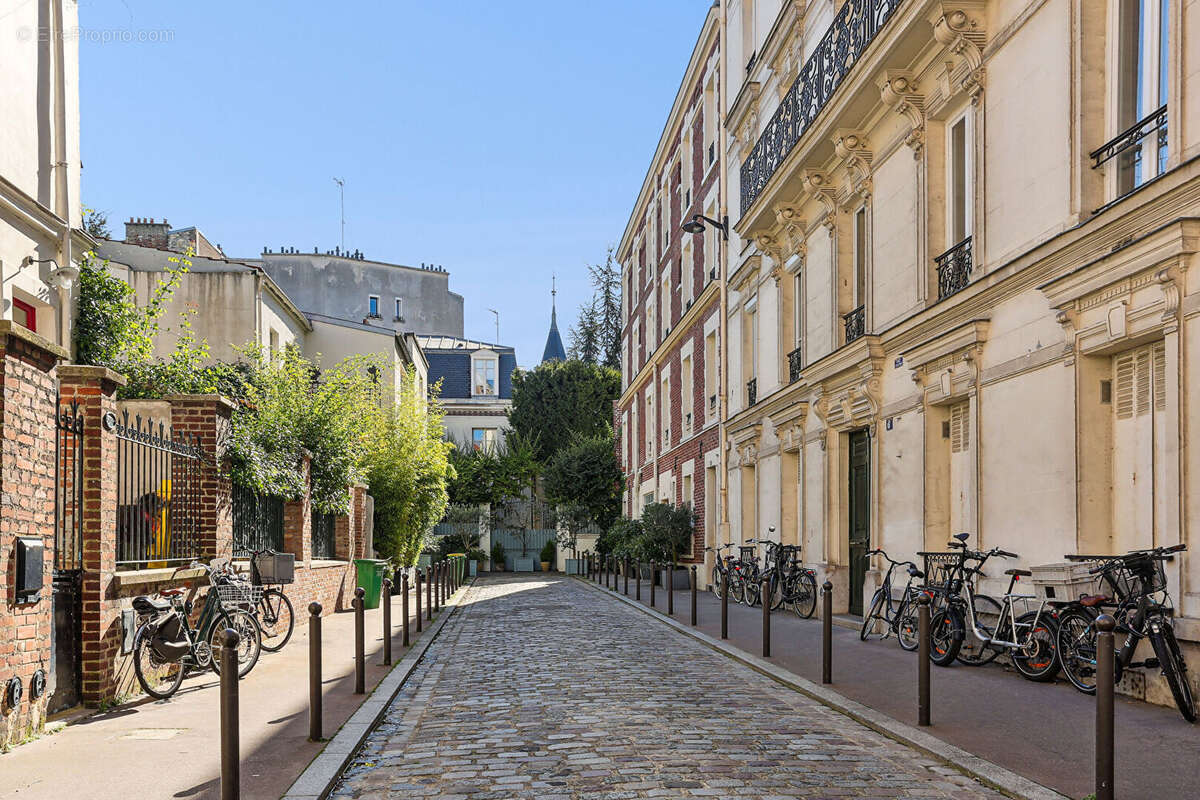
(795, 364)
(954, 268)
(1133, 136)
(751, 391)
(853, 29)
(856, 323)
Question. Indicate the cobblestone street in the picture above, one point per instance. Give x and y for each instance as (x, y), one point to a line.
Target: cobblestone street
(542, 688)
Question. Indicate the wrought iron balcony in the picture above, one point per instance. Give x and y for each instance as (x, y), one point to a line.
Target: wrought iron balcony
(1132, 137)
(751, 391)
(795, 364)
(856, 323)
(853, 29)
(954, 268)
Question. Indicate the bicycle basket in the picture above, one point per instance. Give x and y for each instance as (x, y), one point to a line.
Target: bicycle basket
(747, 554)
(1136, 576)
(241, 595)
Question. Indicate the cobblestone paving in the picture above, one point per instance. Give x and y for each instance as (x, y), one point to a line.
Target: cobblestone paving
(542, 688)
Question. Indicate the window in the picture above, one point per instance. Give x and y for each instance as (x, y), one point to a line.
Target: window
(686, 391)
(485, 376)
(687, 497)
(710, 124)
(665, 410)
(24, 314)
(1142, 83)
(373, 307)
(797, 310)
(650, 419)
(274, 341)
(686, 268)
(959, 183)
(666, 303)
(710, 375)
(399, 309)
(483, 438)
(860, 257)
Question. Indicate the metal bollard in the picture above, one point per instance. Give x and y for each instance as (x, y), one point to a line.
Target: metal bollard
(314, 672)
(625, 569)
(428, 593)
(725, 604)
(1105, 712)
(387, 621)
(923, 660)
(693, 595)
(360, 666)
(765, 595)
(404, 604)
(669, 585)
(417, 595)
(653, 581)
(231, 771)
(827, 632)
(637, 568)
(436, 583)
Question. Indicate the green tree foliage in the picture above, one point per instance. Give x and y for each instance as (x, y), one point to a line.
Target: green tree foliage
(586, 475)
(558, 401)
(596, 335)
(584, 337)
(95, 223)
(668, 530)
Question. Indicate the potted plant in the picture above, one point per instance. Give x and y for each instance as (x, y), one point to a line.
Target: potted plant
(497, 557)
(668, 533)
(547, 555)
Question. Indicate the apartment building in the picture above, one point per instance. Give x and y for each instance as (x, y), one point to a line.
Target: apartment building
(669, 411)
(959, 295)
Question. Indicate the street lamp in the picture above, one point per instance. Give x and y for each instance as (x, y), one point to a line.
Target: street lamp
(696, 225)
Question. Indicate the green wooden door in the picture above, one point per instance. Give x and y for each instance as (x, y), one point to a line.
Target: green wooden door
(859, 528)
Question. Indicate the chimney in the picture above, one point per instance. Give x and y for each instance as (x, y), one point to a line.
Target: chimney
(147, 233)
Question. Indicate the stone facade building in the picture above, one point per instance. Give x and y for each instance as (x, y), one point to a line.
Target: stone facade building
(667, 414)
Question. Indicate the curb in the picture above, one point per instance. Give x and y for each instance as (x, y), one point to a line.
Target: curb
(993, 775)
(320, 776)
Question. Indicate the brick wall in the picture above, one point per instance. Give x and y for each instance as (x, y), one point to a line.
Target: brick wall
(27, 454)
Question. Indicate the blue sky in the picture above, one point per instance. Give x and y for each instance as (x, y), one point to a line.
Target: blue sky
(505, 141)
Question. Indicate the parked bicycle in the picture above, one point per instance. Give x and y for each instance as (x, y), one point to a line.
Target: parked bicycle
(166, 646)
(721, 568)
(274, 610)
(1136, 581)
(886, 611)
(798, 583)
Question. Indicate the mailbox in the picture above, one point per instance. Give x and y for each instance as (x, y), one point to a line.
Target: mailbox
(30, 574)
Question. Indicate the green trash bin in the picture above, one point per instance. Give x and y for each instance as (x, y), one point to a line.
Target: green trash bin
(370, 578)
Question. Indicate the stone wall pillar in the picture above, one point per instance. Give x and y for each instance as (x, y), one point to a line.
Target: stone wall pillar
(94, 389)
(27, 456)
(207, 417)
(297, 521)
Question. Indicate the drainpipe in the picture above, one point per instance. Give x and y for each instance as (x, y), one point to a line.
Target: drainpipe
(722, 267)
(62, 200)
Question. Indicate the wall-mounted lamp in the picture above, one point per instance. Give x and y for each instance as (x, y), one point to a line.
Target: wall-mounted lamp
(696, 225)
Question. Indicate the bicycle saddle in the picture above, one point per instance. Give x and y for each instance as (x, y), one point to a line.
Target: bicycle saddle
(916, 573)
(149, 605)
(1092, 600)
(1020, 573)
(962, 537)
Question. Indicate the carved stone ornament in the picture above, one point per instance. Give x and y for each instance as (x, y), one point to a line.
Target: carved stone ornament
(898, 90)
(851, 147)
(963, 37)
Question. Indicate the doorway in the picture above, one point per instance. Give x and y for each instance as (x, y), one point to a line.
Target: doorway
(859, 527)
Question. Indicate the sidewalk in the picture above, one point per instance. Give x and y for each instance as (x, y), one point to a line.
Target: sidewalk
(1043, 732)
(171, 749)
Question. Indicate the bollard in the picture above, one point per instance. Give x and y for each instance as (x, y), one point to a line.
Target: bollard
(653, 581)
(923, 660)
(435, 582)
(669, 585)
(625, 569)
(387, 621)
(693, 595)
(360, 667)
(1105, 713)
(827, 632)
(766, 604)
(428, 593)
(404, 604)
(314, 672)
(231, 774)
(417, 595)
(637, 580)
(725, 604)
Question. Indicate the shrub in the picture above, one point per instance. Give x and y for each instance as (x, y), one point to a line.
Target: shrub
(548, 552)
(497, 554)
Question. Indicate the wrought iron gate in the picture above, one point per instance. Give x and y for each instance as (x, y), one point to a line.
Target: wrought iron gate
(257, 522)
(65, 661)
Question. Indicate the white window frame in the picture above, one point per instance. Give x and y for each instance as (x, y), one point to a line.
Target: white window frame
(482, 359)
(968, 119)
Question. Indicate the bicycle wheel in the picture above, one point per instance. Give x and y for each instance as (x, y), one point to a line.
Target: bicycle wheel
(804, 598)
(159, 678)
(1077, 649)
(874, 615)
(1170, 660)
(907, 633)
(249, 646)
(974, 651)
(1038, 659)
(751, 591)
(276, 620)
(715, 586)
(737, 588)
(945, 635)
(776, 591)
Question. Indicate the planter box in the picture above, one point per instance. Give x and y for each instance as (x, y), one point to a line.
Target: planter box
(523, 564)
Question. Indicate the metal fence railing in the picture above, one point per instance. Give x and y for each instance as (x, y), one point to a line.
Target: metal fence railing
(257, 522)
(324, 536)
(68, 489)
(158, 493)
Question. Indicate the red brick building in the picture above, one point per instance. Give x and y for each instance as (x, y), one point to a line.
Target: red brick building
(669, 411)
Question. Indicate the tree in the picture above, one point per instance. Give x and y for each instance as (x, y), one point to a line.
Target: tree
(596, 335)
(585, 478)
(668, 529)
(95, 223)
(584, 336)
(558, 401)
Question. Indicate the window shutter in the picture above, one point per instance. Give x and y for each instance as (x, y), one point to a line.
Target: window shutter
(1123, 369)
(1160, 377)
(1143, 382)
(960, 427)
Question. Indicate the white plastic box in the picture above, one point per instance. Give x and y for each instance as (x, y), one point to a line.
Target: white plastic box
(1066, 580)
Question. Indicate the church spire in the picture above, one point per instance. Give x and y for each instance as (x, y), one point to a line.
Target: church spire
(554, 347)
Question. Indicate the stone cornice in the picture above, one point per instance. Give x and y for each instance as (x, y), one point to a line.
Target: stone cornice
(972, 334)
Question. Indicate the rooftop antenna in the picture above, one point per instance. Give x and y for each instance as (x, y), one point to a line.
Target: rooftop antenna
(497, 313)
(342, 192)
